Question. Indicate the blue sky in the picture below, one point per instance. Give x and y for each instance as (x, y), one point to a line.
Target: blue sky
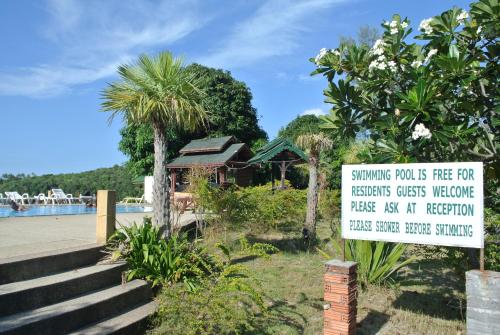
(58, 55)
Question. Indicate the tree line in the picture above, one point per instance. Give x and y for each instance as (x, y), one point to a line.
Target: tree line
(116, 178)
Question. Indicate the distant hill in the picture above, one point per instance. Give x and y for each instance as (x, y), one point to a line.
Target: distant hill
(115, 178)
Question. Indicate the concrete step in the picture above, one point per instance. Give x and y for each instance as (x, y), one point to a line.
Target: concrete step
(34, 293)
(45, 263)
(73, 314)
(132, 322)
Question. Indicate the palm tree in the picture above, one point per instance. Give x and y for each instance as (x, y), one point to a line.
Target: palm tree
(158, 91)
(313, 144)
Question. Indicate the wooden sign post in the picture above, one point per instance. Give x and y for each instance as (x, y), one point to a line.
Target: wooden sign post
(106, 215)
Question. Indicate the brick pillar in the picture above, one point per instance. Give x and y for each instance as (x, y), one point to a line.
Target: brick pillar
(340, 292)
(106, 215)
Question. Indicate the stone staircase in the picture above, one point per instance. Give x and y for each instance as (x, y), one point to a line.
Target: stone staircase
(67, 292)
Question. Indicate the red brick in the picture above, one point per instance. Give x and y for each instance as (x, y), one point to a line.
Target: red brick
(339, 278)
(332, 287)
(334, 315)
(343, 308)
(344, 299)
(337, 328)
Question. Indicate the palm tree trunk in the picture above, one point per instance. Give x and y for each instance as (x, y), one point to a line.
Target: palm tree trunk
(312, 197)
(161, 198)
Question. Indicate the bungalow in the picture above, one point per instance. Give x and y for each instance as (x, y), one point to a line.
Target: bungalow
(225, 155)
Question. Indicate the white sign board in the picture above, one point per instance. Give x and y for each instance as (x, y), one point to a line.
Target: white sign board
(425, 203)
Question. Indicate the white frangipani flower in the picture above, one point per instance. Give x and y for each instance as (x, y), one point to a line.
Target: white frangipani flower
(394, 27)
(425, 26)
(421, 132)
(378, 51)
(404, 24)
(416, 63)
(378, 65)
(431, 53)
(462, 16)
(379, 44)
(321, 54)
(392, 66)
(378, 47)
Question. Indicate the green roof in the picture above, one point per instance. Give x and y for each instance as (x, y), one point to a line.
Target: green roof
(207, 144)
(209, 159)
(138, 180)
(276, 147)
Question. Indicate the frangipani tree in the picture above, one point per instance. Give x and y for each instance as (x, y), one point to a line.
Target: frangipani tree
(158, 91)
(433, 101)
(313, 144)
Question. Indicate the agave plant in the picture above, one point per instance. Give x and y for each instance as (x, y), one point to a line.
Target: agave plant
(377, 261)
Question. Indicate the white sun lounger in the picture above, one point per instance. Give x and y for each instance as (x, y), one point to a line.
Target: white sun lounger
(15, 197)
(60, 196)
(3, 200)
(132, 200)
(27, 198)
(42, 198)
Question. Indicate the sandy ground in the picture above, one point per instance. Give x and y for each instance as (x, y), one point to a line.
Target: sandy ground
(30, 235)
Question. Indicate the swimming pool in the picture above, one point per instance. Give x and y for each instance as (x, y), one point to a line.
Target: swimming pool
(35, 210)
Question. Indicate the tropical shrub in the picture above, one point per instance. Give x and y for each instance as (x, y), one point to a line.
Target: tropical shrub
(462, 260)
(258, 208)
(257, 249)
(377, 261)
(492, 241)
(157, 260)
(281, 209)
(432, 101)
(329, 206)
(225, 302)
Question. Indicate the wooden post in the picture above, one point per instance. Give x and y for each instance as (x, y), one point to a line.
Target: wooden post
(106, 215)
(283, 173)
(481, 259)
(222, 176)
(173, 177)
(340, 294)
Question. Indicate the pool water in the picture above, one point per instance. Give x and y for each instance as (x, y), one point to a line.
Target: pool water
(34, 210)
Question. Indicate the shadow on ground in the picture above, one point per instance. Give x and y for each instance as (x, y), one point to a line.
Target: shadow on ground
(289, 244)
(443, 305)
(281, 318)
(441, 299)
(372, 323)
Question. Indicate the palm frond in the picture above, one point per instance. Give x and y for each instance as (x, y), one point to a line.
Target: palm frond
(157, 90)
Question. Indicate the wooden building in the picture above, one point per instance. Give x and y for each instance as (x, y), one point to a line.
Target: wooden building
(225, 155)
(281, 152)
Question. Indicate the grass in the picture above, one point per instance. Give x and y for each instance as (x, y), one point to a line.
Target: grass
(428, 299)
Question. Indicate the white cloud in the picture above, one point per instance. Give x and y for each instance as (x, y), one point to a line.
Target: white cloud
(307, 77)
(272, 31)
(314, 111)
(94, 37)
